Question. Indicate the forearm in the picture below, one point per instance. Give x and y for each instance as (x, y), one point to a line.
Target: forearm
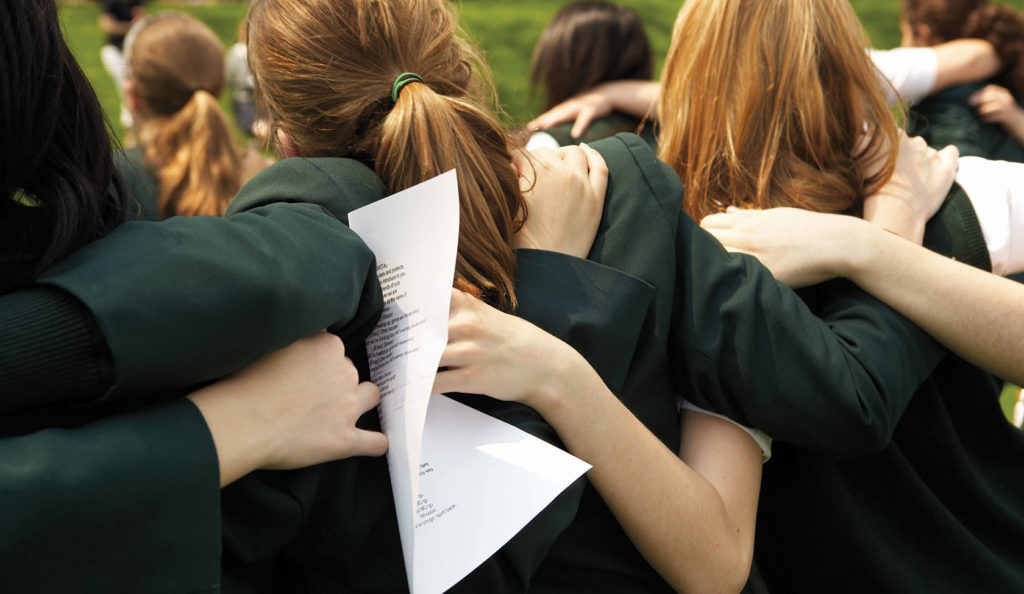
(675, 517)
(241, 436)
(963, 61)
(635, 97)
(974, 313)
(745, 346)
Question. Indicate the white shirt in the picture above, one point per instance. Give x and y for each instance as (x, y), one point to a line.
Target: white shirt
(996, 190)
(911, 72)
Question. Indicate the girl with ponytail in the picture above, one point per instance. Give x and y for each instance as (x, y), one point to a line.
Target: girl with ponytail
(190, 164)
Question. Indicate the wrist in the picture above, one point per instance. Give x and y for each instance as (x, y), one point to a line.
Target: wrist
(859, 255)
(239, 435)
(896, 216)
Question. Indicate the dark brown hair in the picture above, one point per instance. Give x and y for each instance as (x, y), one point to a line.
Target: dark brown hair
(588, 43)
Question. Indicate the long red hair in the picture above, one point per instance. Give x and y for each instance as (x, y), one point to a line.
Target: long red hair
(774, 103)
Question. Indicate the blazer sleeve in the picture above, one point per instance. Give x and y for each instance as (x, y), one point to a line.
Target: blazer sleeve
(87, 509)
(834, 380)
(188, 300)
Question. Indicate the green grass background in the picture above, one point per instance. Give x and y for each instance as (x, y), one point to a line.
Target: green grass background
(506, 31)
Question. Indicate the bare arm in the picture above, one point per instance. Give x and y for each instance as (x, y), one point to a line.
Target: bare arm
(964, 60)
(635, 97)
(292, 408)
(976, 314)
(691, 518)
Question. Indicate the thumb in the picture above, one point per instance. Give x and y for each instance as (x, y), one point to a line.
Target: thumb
(368, 443)
(951, 156)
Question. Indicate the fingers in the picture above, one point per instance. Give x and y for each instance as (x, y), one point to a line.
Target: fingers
(718, 220)
(446, 382)
(574, 158)
(598, 169)
(950, 156)
(583, 120)
(366, 396)
(563, 112)
(367, 443)
(725, 220)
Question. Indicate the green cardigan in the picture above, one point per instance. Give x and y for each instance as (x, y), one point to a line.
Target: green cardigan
(98, 494)
(659, 309)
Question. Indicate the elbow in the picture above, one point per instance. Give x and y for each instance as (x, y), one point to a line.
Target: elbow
(864, 432)
(727, 574)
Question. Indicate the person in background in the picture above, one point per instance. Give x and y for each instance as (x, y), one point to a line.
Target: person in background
(585, 44)
(239, 80)
(116, 18)
(912, 73)
(187, 162)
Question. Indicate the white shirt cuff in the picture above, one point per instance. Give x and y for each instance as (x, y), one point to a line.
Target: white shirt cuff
(763, 441)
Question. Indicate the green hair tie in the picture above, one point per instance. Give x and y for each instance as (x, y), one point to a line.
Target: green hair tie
(400, 82)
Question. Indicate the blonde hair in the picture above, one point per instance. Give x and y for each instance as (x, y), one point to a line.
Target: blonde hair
(323, 73)
(774, 103)
(176, 67)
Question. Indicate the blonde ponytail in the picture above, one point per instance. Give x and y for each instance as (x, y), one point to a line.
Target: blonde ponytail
(198, 165)
(176, 70)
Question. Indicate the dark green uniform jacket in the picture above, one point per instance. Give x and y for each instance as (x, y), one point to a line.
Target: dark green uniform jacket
(659, 300)
(947, 118)
(935, 503)
(655, 285)
(142, 184)
(115, 498)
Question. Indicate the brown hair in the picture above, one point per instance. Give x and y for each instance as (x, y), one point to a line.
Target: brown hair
(774, 103)
(1000, 25)
(323, 72)
(176, 67)
(588, 43)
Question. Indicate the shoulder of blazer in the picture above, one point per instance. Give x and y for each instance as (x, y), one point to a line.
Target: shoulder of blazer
(338, 185)
(632, 165)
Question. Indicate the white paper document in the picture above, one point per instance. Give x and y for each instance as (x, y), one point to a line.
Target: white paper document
(464, 483)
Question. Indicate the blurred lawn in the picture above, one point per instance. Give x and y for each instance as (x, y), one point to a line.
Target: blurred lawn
(506, 30)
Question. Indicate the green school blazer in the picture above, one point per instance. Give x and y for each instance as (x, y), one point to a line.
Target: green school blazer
(947, 117)
(661, 310)
(112, 493)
